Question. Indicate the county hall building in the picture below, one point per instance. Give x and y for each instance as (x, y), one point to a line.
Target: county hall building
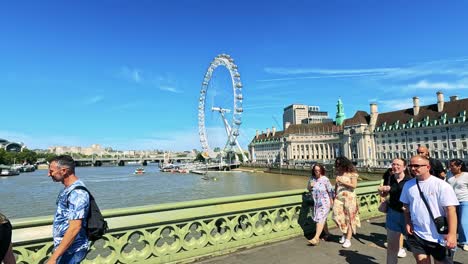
(369, 139)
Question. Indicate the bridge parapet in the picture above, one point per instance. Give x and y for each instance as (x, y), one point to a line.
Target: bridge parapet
(186, 231)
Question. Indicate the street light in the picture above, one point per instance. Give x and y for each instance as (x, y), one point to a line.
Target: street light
(448, 143)
(406, 141)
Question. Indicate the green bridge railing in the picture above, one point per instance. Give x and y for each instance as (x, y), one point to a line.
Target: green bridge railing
(187, 231)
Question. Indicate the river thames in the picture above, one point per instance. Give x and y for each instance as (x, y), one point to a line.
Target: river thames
(34, 194)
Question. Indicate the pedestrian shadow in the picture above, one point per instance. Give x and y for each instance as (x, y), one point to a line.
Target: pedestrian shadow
(355, 257)
(305, 220)
(382, 224)
(376, 238)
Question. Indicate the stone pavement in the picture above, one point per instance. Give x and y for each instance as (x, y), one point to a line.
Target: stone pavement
(367, 248)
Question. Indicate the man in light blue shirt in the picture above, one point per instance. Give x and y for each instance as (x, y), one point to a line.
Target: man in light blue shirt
(69, 226)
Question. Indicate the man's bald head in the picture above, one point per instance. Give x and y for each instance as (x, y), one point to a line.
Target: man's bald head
(424, 151)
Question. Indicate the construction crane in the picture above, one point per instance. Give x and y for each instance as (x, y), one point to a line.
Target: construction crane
(276, 121)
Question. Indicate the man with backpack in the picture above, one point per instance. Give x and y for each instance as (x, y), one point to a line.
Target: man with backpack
(70, 221)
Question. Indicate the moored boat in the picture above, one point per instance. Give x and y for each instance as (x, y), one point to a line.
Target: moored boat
(139, 171)
(8, 171)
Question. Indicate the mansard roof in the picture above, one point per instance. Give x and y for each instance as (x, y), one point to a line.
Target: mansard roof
(264, 137)
(451, 109)
(360, 117)
(313, 128)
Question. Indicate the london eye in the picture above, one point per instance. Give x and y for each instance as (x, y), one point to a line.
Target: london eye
(229, 109)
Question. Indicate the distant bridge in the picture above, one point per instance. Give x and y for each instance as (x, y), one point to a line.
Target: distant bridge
(122, 161)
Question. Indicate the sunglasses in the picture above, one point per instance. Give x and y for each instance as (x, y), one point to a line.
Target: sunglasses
(417, 166)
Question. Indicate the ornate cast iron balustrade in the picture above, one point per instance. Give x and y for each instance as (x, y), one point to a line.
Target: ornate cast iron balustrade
(186, 231)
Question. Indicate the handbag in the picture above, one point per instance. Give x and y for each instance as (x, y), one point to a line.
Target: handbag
(440, 222)
(383, 207)
(307, 198)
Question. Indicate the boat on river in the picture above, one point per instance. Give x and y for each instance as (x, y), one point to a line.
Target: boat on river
(8, 171)
(139, 171)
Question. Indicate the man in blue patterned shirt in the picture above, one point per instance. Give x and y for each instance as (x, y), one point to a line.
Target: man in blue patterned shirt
(69, 227)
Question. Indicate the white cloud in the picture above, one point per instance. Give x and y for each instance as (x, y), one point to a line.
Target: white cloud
(169, 89)
(424, 84)
(403, 103)
(131, 74)
(94, 100)
(455, 68)
(337, 72)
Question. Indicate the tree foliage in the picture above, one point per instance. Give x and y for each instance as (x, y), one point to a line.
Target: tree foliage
(25, 156)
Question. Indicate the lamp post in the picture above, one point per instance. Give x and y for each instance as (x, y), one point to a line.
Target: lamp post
(406, 143)
(448, 143)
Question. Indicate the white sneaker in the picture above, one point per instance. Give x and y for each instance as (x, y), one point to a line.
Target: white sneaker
(342, 239)
(465, 247)
(385, 244)
(347, 243)
(401, 253)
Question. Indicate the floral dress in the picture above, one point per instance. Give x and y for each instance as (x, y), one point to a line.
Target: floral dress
(345, 208)
(322, 192)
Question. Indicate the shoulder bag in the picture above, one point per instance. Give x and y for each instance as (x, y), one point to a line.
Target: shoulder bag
(440, 222)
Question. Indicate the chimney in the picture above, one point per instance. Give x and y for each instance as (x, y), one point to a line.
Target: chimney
(374, 113)
(440, 101)
(256, 134)
(415, 105)
(268, 132)
(373, 108)
(286, 125)
(453, 98)
(273, 129)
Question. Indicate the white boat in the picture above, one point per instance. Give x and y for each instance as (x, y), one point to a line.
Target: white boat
(139, 171)
(8, 171)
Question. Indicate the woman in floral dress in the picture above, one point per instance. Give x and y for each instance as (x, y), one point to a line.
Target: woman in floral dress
(345, 208)
(322, 192)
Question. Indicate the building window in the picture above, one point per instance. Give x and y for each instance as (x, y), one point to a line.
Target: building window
(464, 144)
(418, 139)
(444, 137)
(453, 137)
(445, 145)
(435, 145)
(434, 138)
(425, 131)
(426, 139)
(462, 136)
(454, 144)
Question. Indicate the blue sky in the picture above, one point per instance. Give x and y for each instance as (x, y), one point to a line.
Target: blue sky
(127, 74)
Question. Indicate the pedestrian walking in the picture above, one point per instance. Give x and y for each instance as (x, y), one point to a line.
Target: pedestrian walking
(322, 192)
(430, 216)
(345, 208)
(459, 183)
(395, 220)
(69, 226)
(436, 166)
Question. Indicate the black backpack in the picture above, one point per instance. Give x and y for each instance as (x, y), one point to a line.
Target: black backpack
(96, 226)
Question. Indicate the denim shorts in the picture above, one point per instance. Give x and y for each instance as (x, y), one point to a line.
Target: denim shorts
(395, 221)
(73, 258)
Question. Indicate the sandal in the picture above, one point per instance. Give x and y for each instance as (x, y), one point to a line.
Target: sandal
(314, 242)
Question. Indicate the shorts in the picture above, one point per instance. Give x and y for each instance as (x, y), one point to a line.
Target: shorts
(395, 221)
(420, 246)
(73, 258)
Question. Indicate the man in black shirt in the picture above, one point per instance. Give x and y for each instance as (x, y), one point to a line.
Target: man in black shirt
(436, 166)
